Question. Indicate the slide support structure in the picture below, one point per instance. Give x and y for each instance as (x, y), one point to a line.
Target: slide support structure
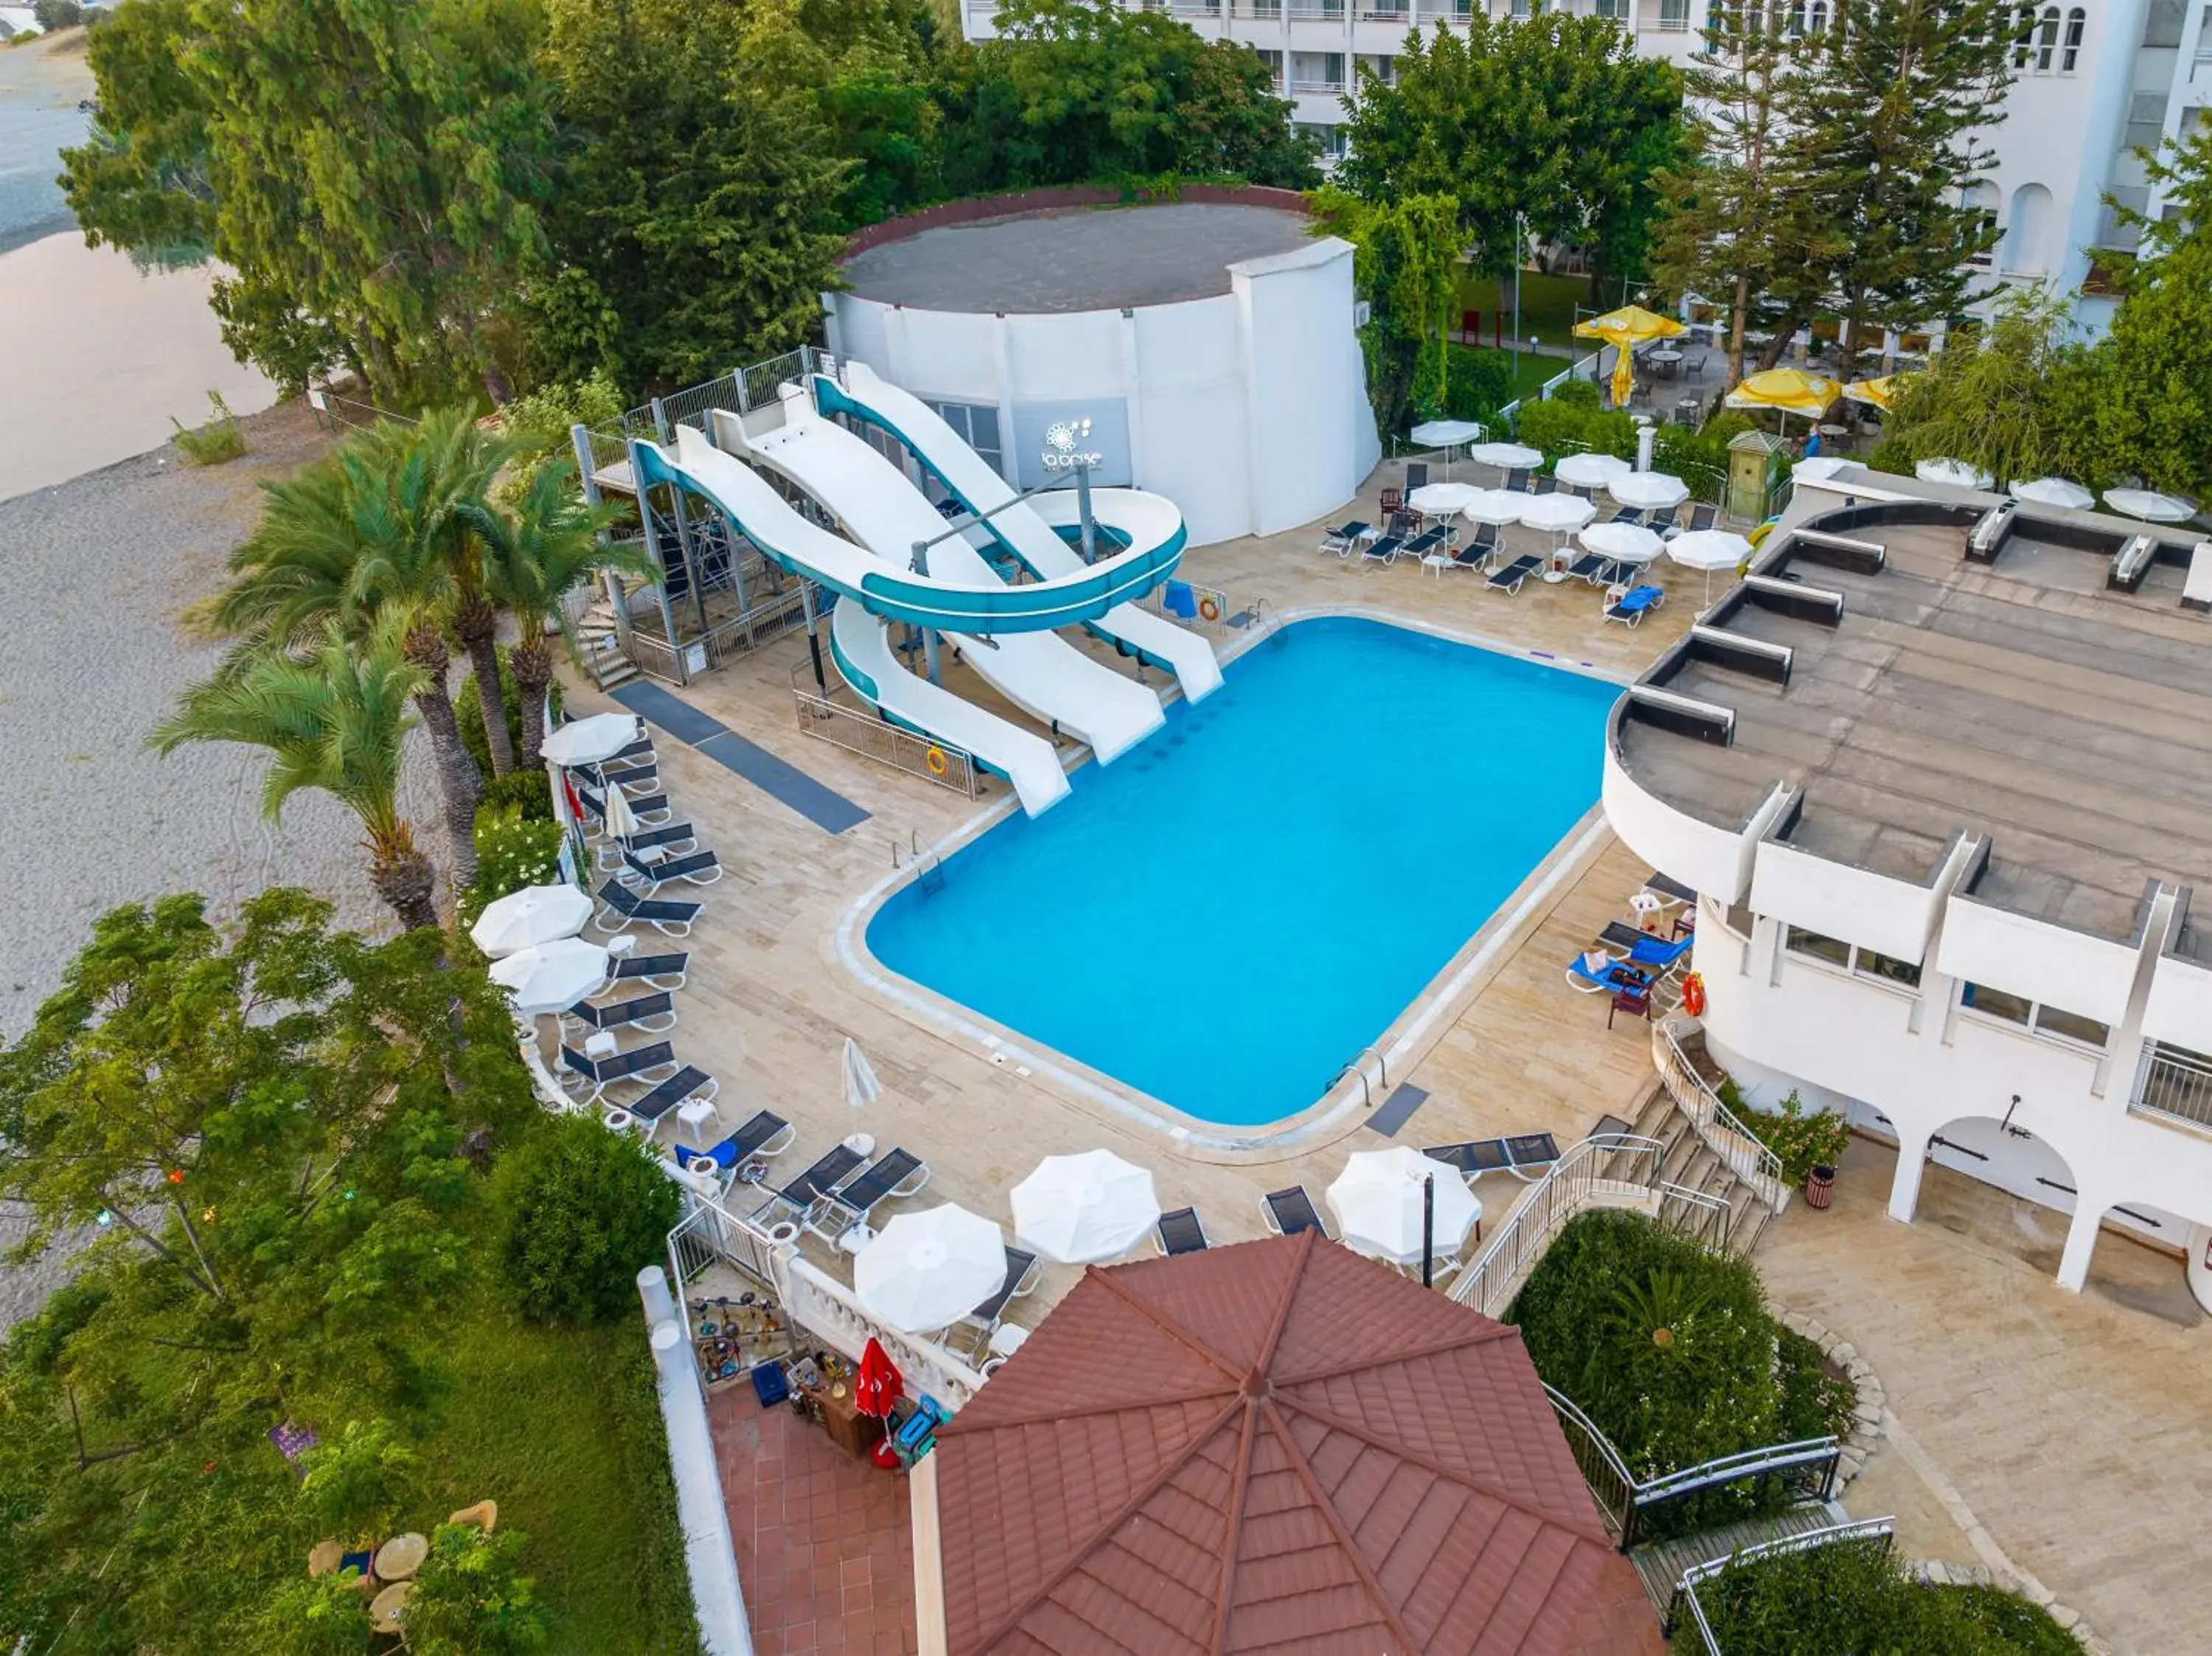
(929, 649)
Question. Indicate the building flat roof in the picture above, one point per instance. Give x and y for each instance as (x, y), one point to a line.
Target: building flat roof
(2021, 701)
(1075, 259)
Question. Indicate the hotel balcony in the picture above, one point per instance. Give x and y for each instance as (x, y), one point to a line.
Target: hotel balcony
(2173, 1084)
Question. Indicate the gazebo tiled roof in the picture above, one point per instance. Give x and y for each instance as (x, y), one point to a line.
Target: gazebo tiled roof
(1275, 1447)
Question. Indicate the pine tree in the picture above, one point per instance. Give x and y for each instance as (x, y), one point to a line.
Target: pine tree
(1884, 114)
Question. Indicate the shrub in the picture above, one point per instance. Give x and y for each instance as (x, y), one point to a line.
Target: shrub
(57, 13)
(1803, 1139)
(539, 419)
(1814, 1402)
(513, 852)
(464, 705)
(1851, 1596)
(1480, 383)
(1564, 423)
(581, 1209)
(468, 1600)
(218, 440)
(525, 792)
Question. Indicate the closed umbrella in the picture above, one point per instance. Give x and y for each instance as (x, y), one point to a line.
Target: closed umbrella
(535, 914)
(2150, 506)
(861, 1087)
(1590, 470)
(1076, 1208)
(1709, 550)
(1622, 543)
(1558, 514)
(1498, 507)
(552, 977)
(589, 741)
(1649, 491)
(1444, 499)
(2055, 491)
(926, 1270)
(1506, 457)
(1378, 1197)
(1955, 472)
(1625, 330)
(620, 821)
(876, 1383)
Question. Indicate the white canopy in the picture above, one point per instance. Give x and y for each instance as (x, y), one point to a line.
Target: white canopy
(588, 741)
(926, 1271)
(1622, 543)
(1649, 490)
(535, 914)
(2150, 506)
(1709, 549)
(552, 977)
(1952, 471)
(1820, 465)
(1506, 456)
(1445, 498)
(1559, 513)
(1377, 1201)
(1494, 505)
(1445, 433)
(2055, 491)
(1076, 1208)
(1590, 470)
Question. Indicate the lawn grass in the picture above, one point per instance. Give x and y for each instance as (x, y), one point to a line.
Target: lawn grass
(1548, 303)
(562, 1427)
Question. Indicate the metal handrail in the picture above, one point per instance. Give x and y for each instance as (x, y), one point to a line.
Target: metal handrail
(1489, 1284)
(1726, 1136)
(1746, 1463)
(1686, 1590)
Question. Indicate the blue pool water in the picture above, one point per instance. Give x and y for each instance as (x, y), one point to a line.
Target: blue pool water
(1223, 916)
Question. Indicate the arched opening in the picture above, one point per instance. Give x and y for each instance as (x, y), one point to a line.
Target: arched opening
(2027, 241)
(2077, 21)
(2046, 41)
(1982, 198)
(2140, 1256)
(1985, 1176)
(2023, 44)
(1817, 18)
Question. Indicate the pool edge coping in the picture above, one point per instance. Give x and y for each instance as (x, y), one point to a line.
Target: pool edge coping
(1410, 1031)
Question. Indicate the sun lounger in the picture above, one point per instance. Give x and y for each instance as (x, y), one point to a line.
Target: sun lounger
(1473, 1159)
(1593, 567)
(1543, 483)
(1531, 1155)
(1516, 480)
(1291, 1211)
(800, 1195)
(670, 836)
(767, 1134)
(655, 971)
(1593, 972)
(650, 813)
(899, 1174)
(1674, 890)
(1427, 542)
(686, 1084)
(1660, 956)
(1180, 1232)
(1508, 579)
(1382, 551)
(1341, 539)
(670, 919)
(644, 1065)
(638, 755)
(1631, 608)
(975, 1329)
(1627, 514)
(1701, 516)
(649, 874)
(653, 1014)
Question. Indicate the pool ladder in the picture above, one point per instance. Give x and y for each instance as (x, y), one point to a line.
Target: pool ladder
(1357, 1067)
(928, 866)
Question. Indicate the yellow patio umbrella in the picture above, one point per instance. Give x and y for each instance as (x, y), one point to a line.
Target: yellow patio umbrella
(1786, 391)
(1875, 391)
(1625, 330)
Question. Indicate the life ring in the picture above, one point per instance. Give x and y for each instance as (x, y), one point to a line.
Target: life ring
(934, 758)
(1693, 995)
(1209, 608)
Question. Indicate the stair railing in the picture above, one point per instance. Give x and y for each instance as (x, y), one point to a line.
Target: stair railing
(1603, 1163)
(1746, 1153)
(1686, 1608)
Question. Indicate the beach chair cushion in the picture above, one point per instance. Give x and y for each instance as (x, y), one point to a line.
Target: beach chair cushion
(1509, 578)
(1535, 1149)
(1293, 1212)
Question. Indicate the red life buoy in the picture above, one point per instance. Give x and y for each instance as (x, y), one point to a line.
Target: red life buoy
(1693, 995)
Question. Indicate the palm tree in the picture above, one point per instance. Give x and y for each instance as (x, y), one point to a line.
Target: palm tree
(336, 721)
(549, 545)
(352, 536)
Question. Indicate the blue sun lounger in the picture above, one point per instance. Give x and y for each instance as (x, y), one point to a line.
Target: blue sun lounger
(1631, 610)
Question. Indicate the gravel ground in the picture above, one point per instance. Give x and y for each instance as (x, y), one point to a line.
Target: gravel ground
(114, 559)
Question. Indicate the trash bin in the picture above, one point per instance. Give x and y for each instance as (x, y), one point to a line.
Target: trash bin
(1819, 1186)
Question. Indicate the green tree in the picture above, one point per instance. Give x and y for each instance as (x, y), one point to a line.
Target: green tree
(336, 722)
(1885, 115)
(471, 1600)
(1406, 266)
(367, 175)
(582, 1209)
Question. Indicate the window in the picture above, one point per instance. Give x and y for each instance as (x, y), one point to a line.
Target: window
(1674, 15)
(1795, 27)
(2076, 22)
(2023, 44)
(1868, 964)
(2070, 1026)
(2053, 1020)
(2046, 41)
(2145, 120)
(1858, 961)
(1274, 60)
(1817, 18)
(1616, 10)
(2162, 22)
(1995, 1004)
(1833, 950)
(976, 424)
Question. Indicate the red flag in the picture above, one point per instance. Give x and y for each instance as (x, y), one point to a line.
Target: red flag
(877, 1386)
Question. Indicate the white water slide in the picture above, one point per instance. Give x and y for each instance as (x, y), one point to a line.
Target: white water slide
(1039, 671)
(1028, 528)
(860, 642)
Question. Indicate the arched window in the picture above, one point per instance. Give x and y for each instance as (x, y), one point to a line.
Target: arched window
(2046, 45)
(1796, 24)
(1817, 18)
(2023, 44)
(2076, 20)
(2028, 247)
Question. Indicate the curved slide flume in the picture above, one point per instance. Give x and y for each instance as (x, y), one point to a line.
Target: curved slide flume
(860, 642)
(1039, 672)
(1029, 528)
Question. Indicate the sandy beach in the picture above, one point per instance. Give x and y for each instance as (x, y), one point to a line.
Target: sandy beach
(99, 356)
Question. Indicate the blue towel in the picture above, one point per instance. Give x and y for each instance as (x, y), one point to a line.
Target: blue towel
(1177, 599)
(1643, 597)
(724, 1154)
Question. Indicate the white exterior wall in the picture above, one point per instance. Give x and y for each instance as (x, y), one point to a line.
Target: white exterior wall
(1202, 384)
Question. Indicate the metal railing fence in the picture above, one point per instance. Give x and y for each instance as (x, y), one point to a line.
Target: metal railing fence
(823, 715)
(1688, 1612)
(2173, 1082)
(1622, 1164)
(1724, 1133)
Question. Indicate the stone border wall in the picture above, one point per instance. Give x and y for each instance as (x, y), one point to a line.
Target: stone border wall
(1866, 1424)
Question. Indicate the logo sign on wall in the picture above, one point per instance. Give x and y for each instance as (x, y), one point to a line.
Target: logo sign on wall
(1052, 439)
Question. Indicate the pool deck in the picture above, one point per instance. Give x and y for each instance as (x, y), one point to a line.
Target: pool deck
(769, 1003)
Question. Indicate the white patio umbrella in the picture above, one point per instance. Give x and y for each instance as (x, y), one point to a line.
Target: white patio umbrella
(1590, 470)
(588, 741)
(1506, 457)
(861, 1087)
(2055, 491)
(1622, 543)
(1076, 1208)
(2150, 506)
(1378, 1202)
(1446, 434)
(925, 1271)
(1709, 550)
(1444, 499)
(1819, 465)
(1956, 472)
(1498, 507)
(552, 977)
(535, 914)
(1649, 491)
(1558, 514)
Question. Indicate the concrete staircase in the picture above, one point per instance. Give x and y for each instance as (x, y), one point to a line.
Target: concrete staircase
(1661, 1563)
(1691, 1164)
(601, 647)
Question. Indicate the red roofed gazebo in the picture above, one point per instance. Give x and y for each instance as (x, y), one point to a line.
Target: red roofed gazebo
(1279, 1446)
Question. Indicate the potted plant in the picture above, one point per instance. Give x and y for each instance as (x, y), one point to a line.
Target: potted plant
(1808, 1144)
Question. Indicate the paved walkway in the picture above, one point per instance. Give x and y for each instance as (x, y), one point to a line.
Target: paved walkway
(2067, 1434)
(824, 1554)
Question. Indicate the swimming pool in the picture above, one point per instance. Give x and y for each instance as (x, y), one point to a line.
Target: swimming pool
(1226, 914)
